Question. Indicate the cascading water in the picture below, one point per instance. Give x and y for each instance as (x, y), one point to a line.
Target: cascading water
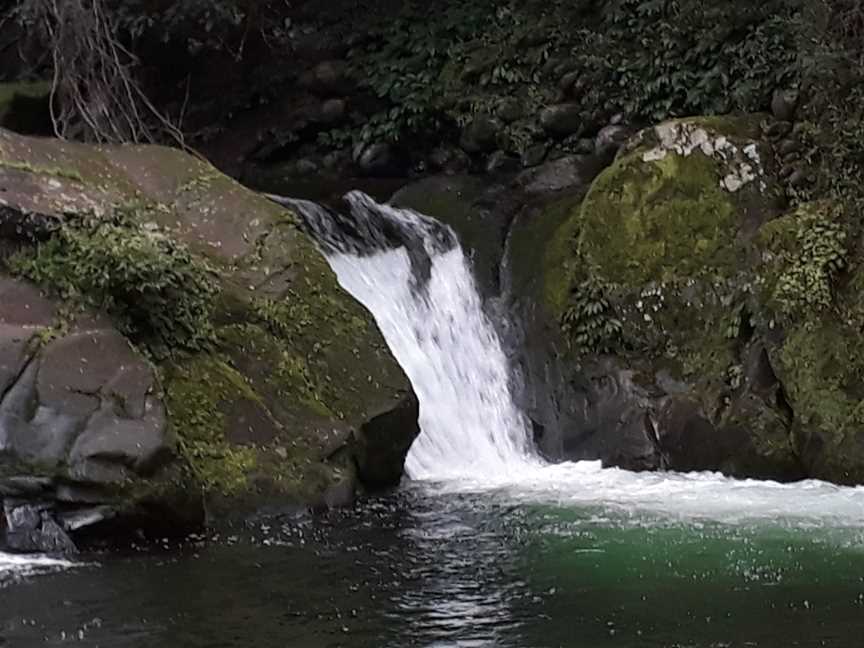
(411, 273)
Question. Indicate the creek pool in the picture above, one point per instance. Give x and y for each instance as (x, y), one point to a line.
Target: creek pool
(539, 565)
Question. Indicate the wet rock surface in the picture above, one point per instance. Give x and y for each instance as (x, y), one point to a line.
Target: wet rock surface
(105, 434)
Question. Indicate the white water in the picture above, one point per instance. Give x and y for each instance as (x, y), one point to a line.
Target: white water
(470, 428)
(473, 438)
(14, 567)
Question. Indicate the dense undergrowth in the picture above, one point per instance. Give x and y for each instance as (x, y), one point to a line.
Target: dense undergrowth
(647, 59)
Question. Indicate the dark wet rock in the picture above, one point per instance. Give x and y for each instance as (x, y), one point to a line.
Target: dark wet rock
(610, 139)
(382, 445)
(376, 159)
(572, 171)
(31, 527)
(25, 486)
(724, 409)
(480, 136)
(501, 162)
(510, 110)
(534, 155)
(477, 211)
(449, 160)
(784, 104)
(562, 120)
(80, 519)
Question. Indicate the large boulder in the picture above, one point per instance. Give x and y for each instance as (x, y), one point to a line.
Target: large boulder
(171, 343)
(650, 283)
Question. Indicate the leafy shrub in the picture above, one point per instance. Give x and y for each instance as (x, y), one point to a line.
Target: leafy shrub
(651, 59)
(160, 294)
(684, 57)
(806, 283)
(589, 321)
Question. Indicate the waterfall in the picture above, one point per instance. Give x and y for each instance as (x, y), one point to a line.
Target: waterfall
(413, 276)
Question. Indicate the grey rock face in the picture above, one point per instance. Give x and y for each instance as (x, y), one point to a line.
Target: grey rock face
(32, 527)
(78, 419)
(565, 173)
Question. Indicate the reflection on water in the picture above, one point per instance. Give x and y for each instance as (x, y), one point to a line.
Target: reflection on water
(463, 570)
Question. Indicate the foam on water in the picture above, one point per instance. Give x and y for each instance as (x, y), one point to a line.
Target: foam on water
(670, 495)
(14, 567)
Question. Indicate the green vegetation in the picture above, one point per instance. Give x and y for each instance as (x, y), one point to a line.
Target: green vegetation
(810, 251)
(57, 172)
(589, 322)
(196, 396)
(160, 294)
(649, 59)
(653, 221)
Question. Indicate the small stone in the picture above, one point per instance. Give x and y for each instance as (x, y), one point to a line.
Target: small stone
(450, 160)
(610, 139)
(561, 120)
(510, 110)
(568, 81)
(377, 159)
(799, 179)
(784, 104)
(305, 166)
(480, 136)
(534, 155)
(333, 110)
(778, 129)
(500, 162)
(790, 158)
(788, 146)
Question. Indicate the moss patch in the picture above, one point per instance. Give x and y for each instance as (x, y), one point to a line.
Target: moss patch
(160, 295)
(655, 221)
(198, 394)
(822, 368)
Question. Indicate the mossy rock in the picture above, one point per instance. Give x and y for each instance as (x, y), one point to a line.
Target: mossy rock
(269, 370)
(681, 202)
(659, 265)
